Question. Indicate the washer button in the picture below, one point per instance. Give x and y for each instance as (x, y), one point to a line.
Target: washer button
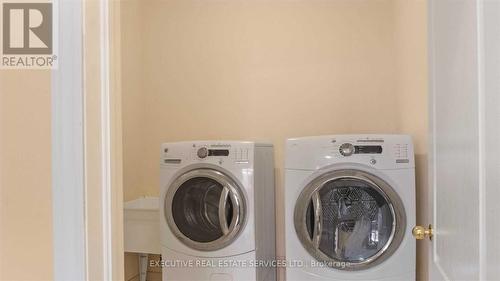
(373, 161)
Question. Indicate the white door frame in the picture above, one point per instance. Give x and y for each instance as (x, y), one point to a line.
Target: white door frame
(86, 149)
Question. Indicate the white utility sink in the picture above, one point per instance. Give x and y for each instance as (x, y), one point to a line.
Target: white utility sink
(142, 226)
(142, 230)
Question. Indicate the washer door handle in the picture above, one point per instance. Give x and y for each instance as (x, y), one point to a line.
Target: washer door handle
(222, 210)
(318, 219)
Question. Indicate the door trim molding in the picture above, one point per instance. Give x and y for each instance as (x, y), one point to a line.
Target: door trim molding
(481, 137)
(86, 133)
(68, 160)
(106, 153)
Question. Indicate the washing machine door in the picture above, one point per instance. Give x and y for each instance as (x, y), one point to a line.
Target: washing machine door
(349, 219)
(205, 209)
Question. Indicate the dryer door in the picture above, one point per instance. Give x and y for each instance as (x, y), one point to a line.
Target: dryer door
(349, 219)
(205, 209)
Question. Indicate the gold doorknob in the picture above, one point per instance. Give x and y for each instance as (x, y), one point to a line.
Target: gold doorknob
(420, 232)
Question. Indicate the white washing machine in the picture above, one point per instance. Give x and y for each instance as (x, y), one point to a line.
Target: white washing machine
(350, 208)
(218, 214)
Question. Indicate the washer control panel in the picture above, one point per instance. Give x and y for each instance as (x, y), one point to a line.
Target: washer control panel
(204, 152)
(348, 149)
(219, 153)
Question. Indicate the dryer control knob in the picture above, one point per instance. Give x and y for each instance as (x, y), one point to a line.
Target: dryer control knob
(346, 149)
(202, 152)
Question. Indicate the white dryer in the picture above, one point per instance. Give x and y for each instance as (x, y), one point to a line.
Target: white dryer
(217, 204)
(350, 208)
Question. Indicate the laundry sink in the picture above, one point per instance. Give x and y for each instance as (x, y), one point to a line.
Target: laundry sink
(142, 226)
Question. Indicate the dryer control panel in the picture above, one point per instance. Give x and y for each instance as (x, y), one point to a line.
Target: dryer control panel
(378, 151)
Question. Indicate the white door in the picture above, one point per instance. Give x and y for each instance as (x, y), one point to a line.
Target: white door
(465, 139)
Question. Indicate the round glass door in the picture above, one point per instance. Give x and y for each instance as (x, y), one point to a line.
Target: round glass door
(349, 219)
(205, 209)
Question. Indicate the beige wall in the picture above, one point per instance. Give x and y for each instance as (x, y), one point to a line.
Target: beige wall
(268, 70)
(411, 88)
(252, 70)
(25, 176)
(134, 98)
